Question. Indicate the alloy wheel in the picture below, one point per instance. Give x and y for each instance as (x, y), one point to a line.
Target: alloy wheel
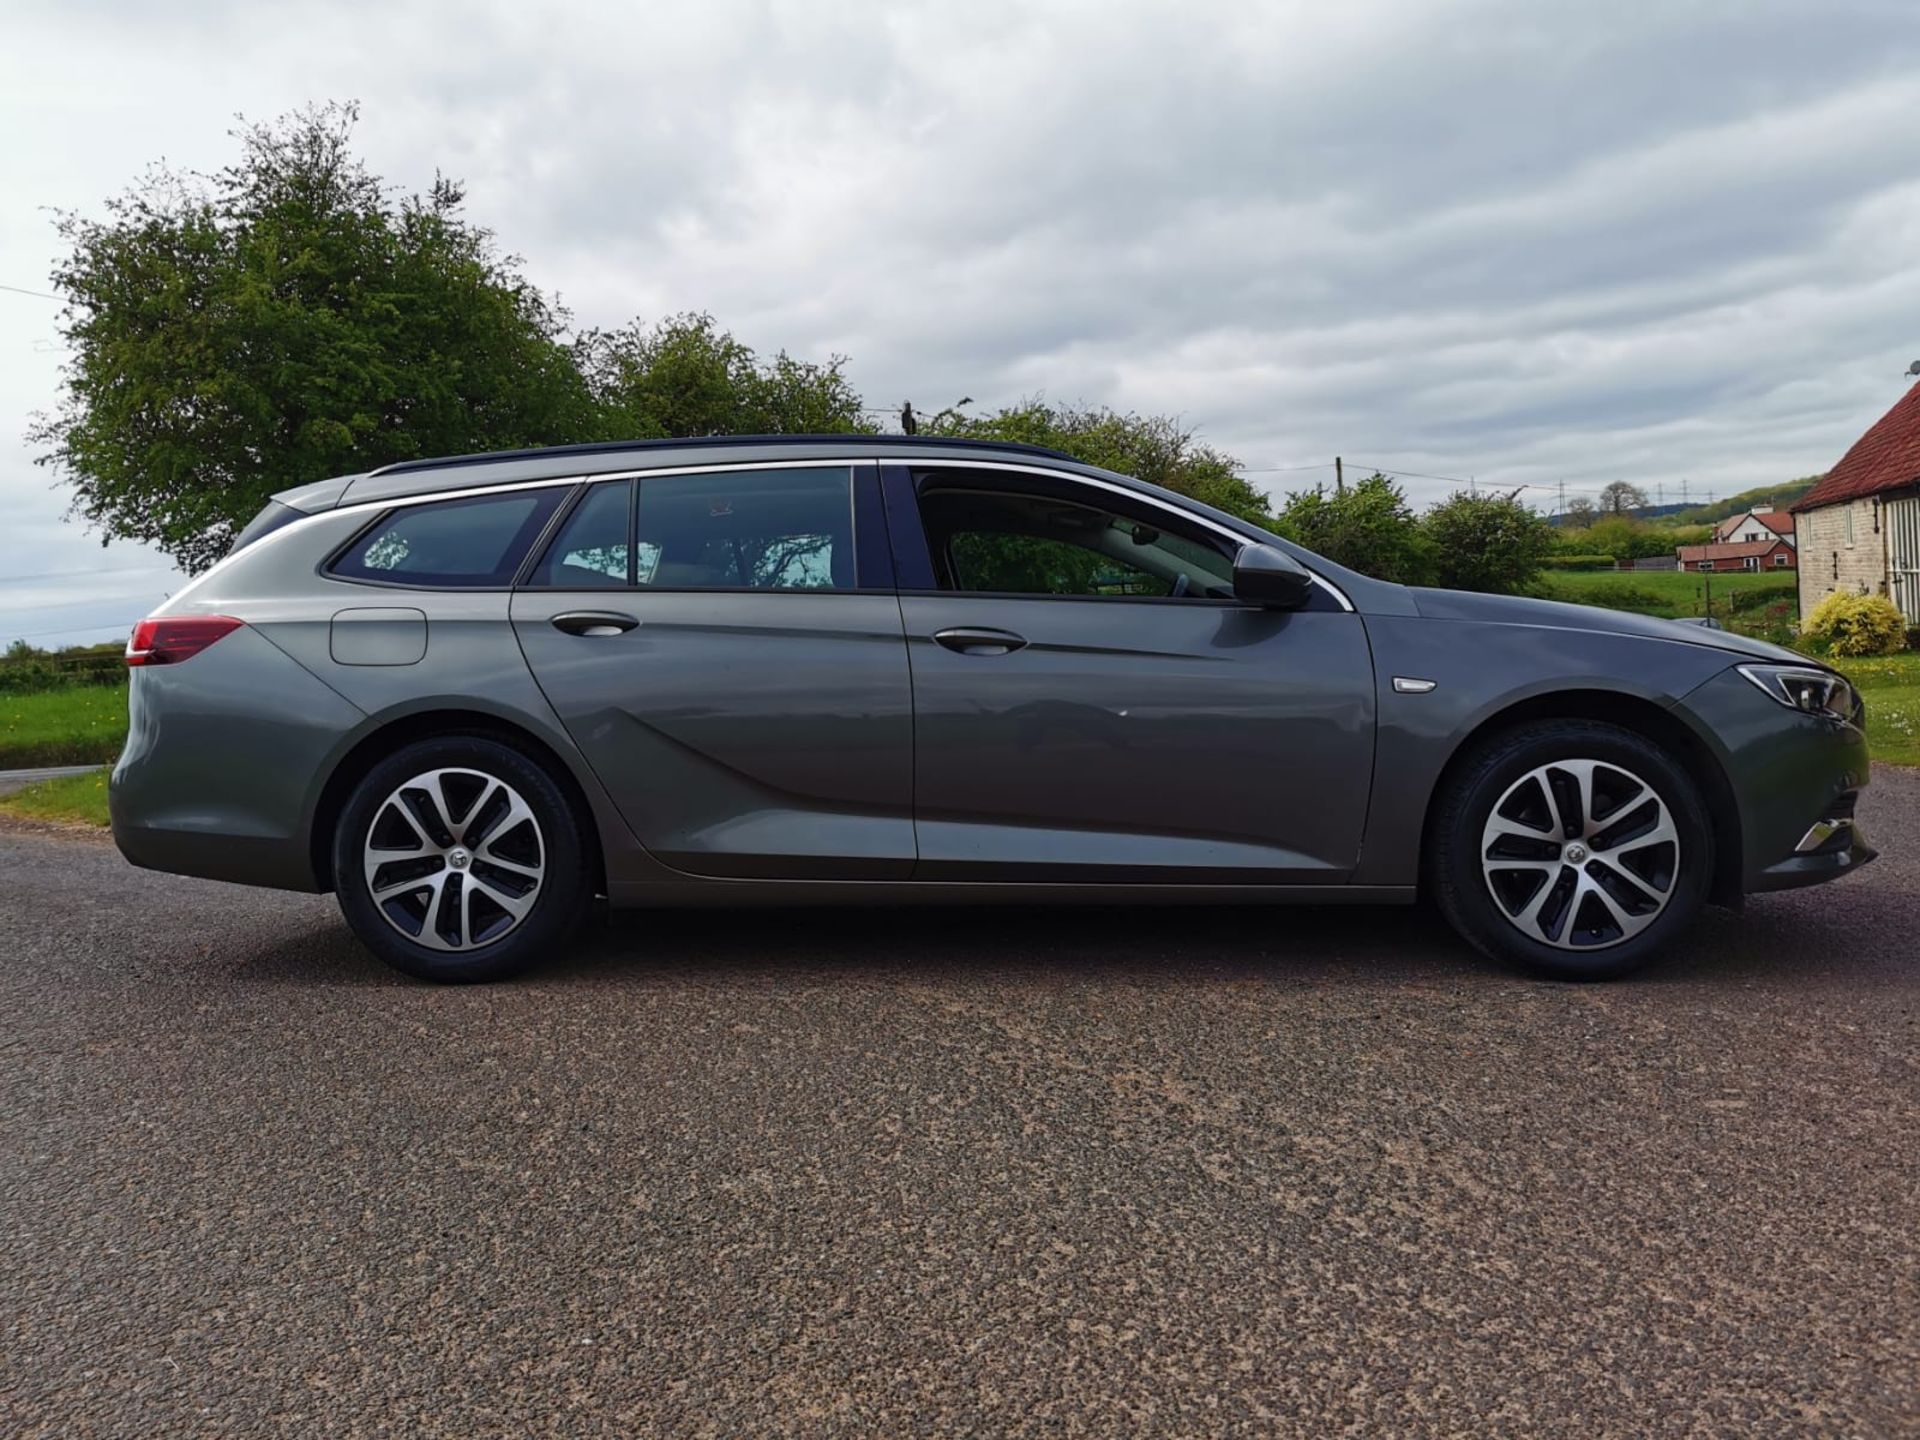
(454, 859)
(1580, 854)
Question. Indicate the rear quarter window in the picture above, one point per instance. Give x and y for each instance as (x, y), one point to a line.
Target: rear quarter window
(475, 543)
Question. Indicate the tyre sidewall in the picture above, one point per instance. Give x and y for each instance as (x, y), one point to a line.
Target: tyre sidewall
(564, 891)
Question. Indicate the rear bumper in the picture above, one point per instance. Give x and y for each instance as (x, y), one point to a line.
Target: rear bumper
(221, 764)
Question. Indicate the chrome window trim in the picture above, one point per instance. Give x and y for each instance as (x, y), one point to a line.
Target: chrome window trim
(822, 462)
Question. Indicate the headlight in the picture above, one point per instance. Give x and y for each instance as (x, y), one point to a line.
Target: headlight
(1799, 687)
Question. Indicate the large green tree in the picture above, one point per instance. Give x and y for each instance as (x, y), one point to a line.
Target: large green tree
(284, 320)
(1155, 448)
(686, 376)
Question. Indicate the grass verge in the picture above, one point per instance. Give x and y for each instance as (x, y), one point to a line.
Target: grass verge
(1671, 594)
(83, 725)
(1891, 687)
(71, 800)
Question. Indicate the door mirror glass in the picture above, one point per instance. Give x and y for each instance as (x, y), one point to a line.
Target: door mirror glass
(1266, 575)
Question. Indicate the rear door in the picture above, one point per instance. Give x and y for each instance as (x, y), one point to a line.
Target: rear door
(725, 648)
(1093, 705)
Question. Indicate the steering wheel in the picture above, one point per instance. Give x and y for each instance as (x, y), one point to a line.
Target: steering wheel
(1180, 587)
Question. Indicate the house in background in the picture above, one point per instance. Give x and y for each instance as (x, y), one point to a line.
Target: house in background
(1859, 528)
(1763, 522)
(1773, 553)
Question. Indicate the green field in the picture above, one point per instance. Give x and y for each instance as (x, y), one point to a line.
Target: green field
(1671, 593)
(72, 799)
(76, 726)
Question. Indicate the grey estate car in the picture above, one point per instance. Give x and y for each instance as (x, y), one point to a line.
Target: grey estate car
(471, 695)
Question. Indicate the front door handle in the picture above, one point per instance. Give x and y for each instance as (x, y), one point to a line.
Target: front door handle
(965, 640)
(594, 622)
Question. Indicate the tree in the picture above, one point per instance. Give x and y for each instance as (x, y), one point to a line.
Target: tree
(1622, 497)
(1486, 542)
(1155, 448)
(1579, 513)
(1367, 527)
(285, 320)
(686, 376)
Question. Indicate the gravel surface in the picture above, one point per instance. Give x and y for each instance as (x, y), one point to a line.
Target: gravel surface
(990, 1173)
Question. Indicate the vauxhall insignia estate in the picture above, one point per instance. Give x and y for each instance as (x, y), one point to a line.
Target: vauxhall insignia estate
(473, 697)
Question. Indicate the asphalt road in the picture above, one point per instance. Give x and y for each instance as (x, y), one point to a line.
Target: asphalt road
(1066, 1173)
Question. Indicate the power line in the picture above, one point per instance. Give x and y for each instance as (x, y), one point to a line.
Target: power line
(74, 629)
(22, 290)
(71, 574)
(73, 605)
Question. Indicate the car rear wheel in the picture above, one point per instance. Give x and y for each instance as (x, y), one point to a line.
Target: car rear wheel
(1573, 848)
(460, 859)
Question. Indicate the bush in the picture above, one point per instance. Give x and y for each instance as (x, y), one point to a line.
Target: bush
(1578, 562)
(1486, 542)
(1857, 624)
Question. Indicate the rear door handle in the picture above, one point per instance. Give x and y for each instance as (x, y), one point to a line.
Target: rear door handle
(594, 622)
(967, 641)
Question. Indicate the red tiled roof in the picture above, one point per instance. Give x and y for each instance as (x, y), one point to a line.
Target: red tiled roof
(1737, 550)
(1885, 458)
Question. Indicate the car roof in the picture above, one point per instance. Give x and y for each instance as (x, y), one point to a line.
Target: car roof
(503, 467)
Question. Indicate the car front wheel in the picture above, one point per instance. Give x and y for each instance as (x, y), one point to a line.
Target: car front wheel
(460, 859)
(1574, 848)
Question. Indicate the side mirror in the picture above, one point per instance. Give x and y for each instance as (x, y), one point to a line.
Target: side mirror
(1264, 575)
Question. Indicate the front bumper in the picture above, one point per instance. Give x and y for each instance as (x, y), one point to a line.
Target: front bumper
(1833, 846)
(1791, 774)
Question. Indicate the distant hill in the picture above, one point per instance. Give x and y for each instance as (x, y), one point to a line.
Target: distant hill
(1778, 496)
(1639, 512)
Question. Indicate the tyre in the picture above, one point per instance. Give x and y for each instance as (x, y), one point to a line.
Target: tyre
(1572, 848)
(461, 859)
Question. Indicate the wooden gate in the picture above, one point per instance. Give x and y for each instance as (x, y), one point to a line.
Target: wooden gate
(1902, 519)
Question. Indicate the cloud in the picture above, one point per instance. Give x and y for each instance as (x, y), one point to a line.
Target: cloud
(1531, 244)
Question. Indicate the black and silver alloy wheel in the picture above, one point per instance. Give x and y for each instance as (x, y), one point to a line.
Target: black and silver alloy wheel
(462, 858)
(1576, 848)
(1580, 854)
(454, 859)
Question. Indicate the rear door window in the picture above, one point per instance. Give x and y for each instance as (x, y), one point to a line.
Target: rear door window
(747, 530)
(476, 543)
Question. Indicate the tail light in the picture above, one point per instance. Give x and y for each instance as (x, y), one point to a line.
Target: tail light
(170, 639)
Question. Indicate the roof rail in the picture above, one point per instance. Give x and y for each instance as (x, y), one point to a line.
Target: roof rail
(615, 447)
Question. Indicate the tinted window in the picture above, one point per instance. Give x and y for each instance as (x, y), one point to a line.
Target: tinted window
(1020, 544)
(480, 541)
(747, 530)
(591, 550)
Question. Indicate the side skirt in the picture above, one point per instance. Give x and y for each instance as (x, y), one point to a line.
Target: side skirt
(925, 892)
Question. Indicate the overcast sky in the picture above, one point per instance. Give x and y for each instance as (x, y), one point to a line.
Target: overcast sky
(1524, 242)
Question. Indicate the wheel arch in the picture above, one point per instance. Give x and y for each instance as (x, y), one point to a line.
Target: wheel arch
(1646, 717)
(433, 724)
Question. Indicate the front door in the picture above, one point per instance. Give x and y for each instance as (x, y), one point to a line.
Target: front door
(709, 643)
(1093, 705)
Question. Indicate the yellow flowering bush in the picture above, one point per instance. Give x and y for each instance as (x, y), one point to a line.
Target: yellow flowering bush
(1857, 624)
